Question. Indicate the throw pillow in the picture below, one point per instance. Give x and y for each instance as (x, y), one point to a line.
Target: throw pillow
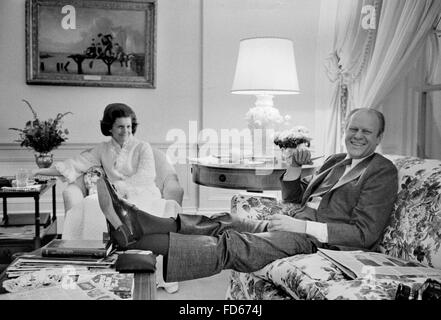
(414, 232)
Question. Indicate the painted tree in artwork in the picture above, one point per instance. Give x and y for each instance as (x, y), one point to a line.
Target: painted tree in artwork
(78, 58)
(101, 49)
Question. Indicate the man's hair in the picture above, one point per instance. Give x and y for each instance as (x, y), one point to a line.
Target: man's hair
(114, 111)
(378, 114)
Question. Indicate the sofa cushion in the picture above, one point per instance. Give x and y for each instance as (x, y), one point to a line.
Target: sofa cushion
(260, 207)
(414, 232)
(308, 277)
(246, 286)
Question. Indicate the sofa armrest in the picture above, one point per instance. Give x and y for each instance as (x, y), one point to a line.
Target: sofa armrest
(172, 190)
(72, 195)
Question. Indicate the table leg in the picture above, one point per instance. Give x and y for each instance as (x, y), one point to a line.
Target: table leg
(54, 204)
(144, 286)
(37, 239)
(5, 210)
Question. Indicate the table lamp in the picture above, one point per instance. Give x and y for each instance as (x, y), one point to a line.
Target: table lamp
(265, 67)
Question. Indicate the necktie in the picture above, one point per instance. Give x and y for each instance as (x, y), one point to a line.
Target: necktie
(332, 178)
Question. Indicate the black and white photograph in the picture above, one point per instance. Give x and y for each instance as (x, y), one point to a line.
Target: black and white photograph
(221, 155)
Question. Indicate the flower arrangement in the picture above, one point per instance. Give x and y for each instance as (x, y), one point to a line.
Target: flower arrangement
(42, 136)
(264, 117)
(292, 138)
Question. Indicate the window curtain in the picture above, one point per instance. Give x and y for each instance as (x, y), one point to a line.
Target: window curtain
(400, 107)
(366, 66)
(433, 77)
(351, 53)
(403, 30)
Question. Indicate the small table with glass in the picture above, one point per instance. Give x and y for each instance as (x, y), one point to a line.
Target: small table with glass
(35, 193)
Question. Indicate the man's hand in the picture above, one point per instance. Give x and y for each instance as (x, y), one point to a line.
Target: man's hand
(280, 222)
(299, 156)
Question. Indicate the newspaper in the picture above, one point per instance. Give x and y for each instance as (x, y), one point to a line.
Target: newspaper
(361, 264)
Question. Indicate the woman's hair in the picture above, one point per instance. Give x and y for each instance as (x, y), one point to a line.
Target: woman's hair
(114, 111)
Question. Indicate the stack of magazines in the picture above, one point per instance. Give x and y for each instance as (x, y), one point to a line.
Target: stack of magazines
(34, 277)
(29, 263)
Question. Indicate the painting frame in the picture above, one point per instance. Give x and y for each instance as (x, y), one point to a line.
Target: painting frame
(130, 64)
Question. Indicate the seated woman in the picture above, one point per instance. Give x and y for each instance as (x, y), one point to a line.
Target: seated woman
(129, 165)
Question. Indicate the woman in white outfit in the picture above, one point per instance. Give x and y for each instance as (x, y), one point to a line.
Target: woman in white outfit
(130, 166)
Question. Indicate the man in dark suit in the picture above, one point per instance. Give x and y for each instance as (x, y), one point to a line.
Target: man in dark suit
(346, 205)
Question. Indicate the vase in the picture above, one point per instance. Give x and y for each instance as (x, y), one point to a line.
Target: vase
(44, 160)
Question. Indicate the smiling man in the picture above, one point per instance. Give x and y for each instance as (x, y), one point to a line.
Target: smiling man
(345, 206)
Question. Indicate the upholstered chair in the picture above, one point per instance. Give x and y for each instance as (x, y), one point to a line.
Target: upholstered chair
(166, 180)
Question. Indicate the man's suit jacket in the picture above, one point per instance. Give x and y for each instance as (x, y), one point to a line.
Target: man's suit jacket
(358, 208)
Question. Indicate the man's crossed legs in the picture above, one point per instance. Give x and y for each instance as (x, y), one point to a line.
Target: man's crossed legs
(196, 246)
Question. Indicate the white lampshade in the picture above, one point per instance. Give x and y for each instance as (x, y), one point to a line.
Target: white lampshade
(266, 66)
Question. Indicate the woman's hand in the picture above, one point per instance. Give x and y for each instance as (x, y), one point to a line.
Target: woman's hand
(45, 172)
(280, 222)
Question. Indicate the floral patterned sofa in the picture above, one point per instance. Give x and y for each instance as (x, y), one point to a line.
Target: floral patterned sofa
(413, 234)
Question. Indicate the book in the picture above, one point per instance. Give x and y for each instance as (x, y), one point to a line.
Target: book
(66, 248)
(362, 265)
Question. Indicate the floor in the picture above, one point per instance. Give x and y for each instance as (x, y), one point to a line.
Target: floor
(210, 288)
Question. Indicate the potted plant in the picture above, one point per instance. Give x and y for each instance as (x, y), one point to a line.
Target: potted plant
(42, 136)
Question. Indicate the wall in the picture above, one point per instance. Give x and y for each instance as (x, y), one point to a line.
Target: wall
(197, 46)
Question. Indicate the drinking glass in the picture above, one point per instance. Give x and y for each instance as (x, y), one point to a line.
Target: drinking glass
(21, 177)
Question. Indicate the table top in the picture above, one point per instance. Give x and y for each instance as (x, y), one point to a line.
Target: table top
(249, 165)
(31, 193)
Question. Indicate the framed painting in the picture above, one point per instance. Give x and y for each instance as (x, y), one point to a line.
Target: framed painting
(102, 43)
